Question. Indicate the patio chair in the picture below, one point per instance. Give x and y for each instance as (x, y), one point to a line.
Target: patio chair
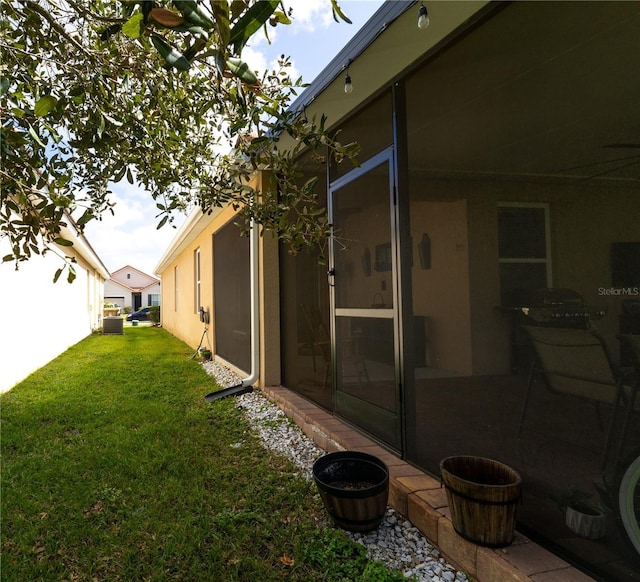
(576, 362)
(320, 340)
(632, 345)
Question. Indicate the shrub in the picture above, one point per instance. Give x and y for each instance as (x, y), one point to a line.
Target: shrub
(154, 313)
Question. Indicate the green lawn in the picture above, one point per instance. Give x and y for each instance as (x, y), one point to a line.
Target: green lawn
(114, 468)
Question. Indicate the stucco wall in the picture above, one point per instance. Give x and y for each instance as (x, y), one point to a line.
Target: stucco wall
(41, 319)
(179, 312)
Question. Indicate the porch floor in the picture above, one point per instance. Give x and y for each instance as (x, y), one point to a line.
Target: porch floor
(421, 499)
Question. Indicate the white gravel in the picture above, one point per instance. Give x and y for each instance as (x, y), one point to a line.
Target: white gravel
(396, 542)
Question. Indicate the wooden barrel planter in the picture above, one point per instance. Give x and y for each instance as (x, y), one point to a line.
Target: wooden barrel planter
(354, 488)
(483, 497)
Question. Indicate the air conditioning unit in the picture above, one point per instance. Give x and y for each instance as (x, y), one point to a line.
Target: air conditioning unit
(112, 326)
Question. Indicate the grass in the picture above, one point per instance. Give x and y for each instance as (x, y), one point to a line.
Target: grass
(114, 468)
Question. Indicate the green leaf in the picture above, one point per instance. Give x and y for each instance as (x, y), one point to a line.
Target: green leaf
(110, 31)
(221, 13)
(237, 7)
(310, 184)
(195, 30)
(220, 62)
(173, 57)
(337, 12)
(35, 136)
(86, 217)
(111, 119)
(4, 85)
(101, 125)
(119, 174)
(7, 258)
(57, 275)
(280, 17)
(241, 70)
(192, 13)
(250, 22)
(44, 105)
(194, 49)
(63, 242)
(71, 276)
(134, 26)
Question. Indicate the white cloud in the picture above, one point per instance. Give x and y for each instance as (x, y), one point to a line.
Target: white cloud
(130, 237)
(309, 15)
(255, 58)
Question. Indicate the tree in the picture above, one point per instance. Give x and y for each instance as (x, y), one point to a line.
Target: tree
(96, 92)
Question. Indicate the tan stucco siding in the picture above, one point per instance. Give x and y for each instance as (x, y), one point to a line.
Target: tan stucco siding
(180, 314)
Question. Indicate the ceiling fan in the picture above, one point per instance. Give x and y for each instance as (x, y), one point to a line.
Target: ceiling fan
(631, 160)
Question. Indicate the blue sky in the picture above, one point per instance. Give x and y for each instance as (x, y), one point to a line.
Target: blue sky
(130, 236)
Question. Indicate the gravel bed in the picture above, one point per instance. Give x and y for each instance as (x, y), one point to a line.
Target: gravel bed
(396, 542)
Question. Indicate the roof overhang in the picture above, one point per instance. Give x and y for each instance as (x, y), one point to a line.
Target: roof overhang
(531, 90)
(388, 45)
(82, 247)
(191, 228)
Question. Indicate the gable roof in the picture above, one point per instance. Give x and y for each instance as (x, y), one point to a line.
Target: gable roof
(115, 274)
(141, 281)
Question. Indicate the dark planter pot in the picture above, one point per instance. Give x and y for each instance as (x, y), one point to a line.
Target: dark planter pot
(483, 497)
(354, 488)
(586, 521)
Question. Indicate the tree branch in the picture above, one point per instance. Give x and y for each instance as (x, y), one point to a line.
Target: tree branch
(35, 7)
(84, 11)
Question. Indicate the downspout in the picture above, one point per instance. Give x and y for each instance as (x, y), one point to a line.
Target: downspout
(246, 385)
(255, 305)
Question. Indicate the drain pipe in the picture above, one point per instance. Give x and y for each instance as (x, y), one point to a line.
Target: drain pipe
(255, 305)
(246, 385)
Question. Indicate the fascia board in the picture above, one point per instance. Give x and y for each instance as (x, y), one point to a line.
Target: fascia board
(190, 229)
(82, 247)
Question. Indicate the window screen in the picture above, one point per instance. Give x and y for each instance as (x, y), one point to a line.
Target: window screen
(232, 296)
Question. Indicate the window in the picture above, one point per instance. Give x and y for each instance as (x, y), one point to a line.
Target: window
(232, 305)
(153, 299)
(197, 279)
(523, 248)
(128, 275)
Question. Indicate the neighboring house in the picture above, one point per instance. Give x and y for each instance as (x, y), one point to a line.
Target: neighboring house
(500, 159)
(40, 318)
(129, 287)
